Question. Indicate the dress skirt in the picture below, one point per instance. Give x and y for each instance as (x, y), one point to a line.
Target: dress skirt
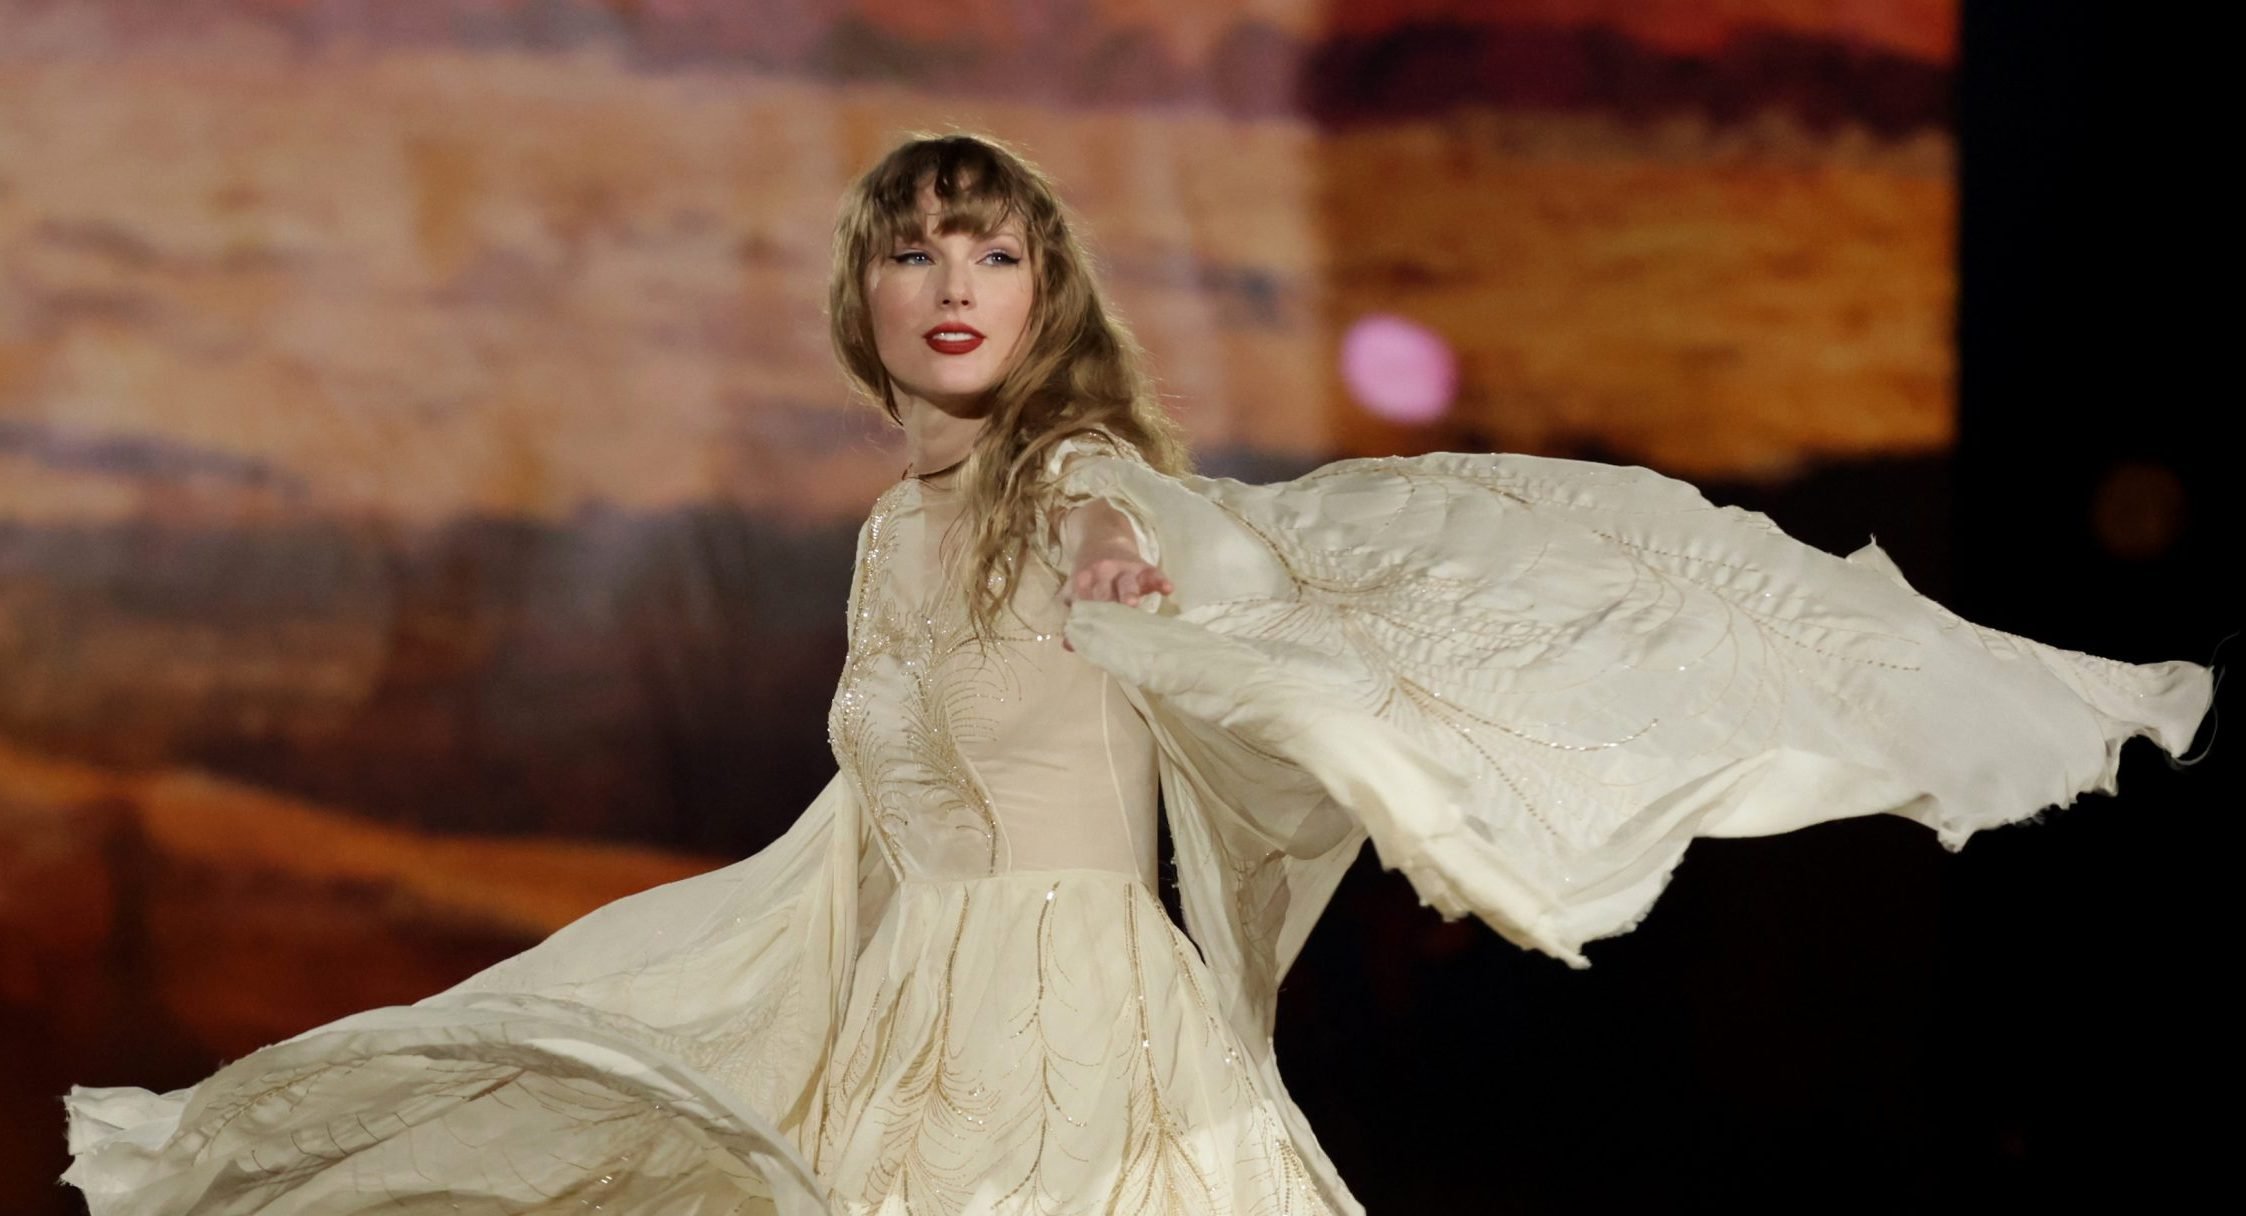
(1044, 1042)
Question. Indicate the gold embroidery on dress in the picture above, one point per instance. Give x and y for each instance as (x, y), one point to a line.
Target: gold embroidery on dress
(921, 772)
(1048, 1101)
(1155, 1151)
(932, 1094)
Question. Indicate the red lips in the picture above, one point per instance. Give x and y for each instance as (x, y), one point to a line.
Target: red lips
(953, 344)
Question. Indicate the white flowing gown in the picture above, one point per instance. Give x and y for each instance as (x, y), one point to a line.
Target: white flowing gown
(950, 987)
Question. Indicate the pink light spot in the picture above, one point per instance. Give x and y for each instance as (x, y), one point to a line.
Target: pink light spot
(1399, 369)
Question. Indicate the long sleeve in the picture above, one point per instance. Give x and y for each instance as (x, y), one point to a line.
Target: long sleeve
(1071, 478)
(1533, 682)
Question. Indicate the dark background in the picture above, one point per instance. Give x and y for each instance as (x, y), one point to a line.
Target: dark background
(1848, 1018)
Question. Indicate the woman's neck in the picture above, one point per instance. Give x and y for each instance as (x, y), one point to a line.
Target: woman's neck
(934, 440)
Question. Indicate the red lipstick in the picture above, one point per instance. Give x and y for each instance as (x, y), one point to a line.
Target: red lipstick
(953, 338)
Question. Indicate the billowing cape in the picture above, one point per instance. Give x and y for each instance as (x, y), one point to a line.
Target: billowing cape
(1530, 683)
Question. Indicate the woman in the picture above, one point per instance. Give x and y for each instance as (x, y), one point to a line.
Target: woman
(949, 987)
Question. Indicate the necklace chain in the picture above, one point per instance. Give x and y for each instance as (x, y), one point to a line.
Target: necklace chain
(940, 472)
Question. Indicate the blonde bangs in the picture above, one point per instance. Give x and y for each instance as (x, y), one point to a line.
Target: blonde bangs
(977, 192)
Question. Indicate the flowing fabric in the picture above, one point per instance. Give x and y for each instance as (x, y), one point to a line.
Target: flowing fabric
(1532, 682)
(648, 1057)
(950, 986)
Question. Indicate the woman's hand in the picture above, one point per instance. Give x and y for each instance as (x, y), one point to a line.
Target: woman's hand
(1106, 560)
(1121, 579)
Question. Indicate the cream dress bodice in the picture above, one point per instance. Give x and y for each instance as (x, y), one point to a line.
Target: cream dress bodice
(980, 759)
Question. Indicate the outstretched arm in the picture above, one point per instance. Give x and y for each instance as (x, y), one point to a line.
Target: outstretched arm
(1103, 559)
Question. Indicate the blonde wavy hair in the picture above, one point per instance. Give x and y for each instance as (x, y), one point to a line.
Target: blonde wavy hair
(1076, 369)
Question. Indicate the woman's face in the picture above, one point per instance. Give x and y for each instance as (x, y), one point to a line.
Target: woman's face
(949, 312)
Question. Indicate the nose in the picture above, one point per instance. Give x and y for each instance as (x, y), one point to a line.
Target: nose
(953, 289)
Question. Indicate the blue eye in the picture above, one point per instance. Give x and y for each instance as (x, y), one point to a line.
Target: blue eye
(1005, 258)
